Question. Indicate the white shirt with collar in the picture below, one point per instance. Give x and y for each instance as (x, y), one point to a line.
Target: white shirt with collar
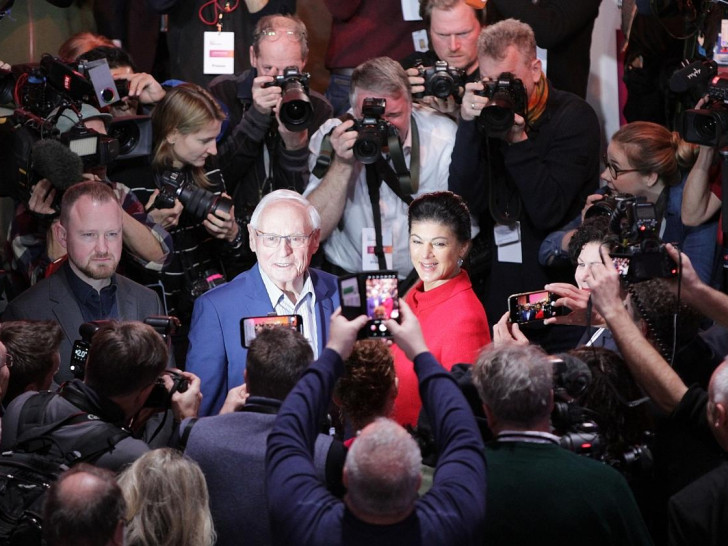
(343, 247)
(305, 306)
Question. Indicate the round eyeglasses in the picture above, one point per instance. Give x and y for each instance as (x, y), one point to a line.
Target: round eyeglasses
(271, 240)
(614, 171)
(275, 35)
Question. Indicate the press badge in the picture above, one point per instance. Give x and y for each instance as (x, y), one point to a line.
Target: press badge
(508, 240)
(419, 39)
(219, 53)
(411, 10)
(369, 260)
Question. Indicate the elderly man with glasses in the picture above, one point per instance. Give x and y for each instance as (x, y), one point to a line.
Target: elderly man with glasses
(284, 233)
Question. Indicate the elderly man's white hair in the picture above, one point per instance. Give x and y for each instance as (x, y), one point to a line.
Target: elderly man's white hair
(285, 195)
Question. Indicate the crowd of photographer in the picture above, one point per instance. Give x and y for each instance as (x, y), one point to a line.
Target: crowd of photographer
(163, 232)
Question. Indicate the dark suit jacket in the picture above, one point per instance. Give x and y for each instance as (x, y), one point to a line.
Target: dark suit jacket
(52, 299)
(216, 354)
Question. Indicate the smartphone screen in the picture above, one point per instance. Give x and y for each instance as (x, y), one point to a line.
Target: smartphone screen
(382, 302)
(251, 326)
(621, 263)
(533, 306)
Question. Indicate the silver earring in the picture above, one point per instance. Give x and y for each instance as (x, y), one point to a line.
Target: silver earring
(460, 262)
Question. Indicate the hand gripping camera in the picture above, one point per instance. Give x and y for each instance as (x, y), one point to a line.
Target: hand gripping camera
(373, 131)
(296, 110)
(507, 97)
(638, 253)
(198, 201)
(441, 81)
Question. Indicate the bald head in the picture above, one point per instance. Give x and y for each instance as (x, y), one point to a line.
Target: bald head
(84, 507)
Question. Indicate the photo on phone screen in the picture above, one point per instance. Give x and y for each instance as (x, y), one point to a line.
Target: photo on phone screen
(374, 294)
(250, 327)
(621, 263)
(533, 306)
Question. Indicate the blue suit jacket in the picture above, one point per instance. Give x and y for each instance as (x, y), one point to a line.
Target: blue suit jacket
(216, 354)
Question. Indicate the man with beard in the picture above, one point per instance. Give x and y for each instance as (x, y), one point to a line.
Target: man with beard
(86, 287)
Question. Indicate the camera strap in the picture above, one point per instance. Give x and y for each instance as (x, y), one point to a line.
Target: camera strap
(326, 151)
(400, 181)
(373, 183)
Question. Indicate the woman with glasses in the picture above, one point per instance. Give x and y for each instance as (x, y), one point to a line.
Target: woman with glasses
(650, 162)
(452, 318)
(190, 201)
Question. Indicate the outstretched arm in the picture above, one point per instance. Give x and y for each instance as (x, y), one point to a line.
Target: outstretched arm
(648, 367)
(699, 204)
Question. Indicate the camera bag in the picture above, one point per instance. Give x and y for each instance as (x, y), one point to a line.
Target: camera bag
(37, 460)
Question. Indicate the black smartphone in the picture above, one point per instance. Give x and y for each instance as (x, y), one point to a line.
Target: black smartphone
(251, 326)
(374, 294)
(533, 306)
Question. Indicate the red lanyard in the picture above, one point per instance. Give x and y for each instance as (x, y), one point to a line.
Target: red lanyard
(218, 12)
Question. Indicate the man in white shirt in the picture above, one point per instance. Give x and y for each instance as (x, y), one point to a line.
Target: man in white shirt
(342, 194)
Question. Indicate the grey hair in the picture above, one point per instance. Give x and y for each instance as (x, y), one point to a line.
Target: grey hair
(719, 384)
(515, 382)
(494, 39)
(383, 470)
(380, 75)
(285, 195)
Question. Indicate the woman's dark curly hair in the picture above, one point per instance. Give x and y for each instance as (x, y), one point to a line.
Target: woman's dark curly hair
(365, 387)
(592, 230)
(611, 388)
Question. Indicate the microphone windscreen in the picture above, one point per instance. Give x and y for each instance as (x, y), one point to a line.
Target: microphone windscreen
(573, 374)
(54, 161)
(695, 74)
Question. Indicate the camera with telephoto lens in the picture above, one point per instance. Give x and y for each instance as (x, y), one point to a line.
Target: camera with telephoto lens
(296, 110)
(373, 130)
(708, 125)
(441, 81)
(506, 97)
(197, 201)
(637, 251)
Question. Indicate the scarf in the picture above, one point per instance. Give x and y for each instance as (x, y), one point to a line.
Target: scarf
(537, 101)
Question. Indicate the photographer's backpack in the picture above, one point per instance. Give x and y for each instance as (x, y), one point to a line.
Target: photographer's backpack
(37, 460)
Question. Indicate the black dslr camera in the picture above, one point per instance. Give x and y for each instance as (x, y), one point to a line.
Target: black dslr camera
(709, 125)
(373, 131)
(441, 81)
(296, 110)
(507, 97)
(197, 201)
(637, 252)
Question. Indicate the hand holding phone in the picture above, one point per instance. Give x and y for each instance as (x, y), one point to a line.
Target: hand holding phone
(251, 326)
(533, 306)
(372, 293)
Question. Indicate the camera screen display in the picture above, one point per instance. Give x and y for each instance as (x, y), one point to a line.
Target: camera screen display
(533, 306)
(621, 263)
(250, 327)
